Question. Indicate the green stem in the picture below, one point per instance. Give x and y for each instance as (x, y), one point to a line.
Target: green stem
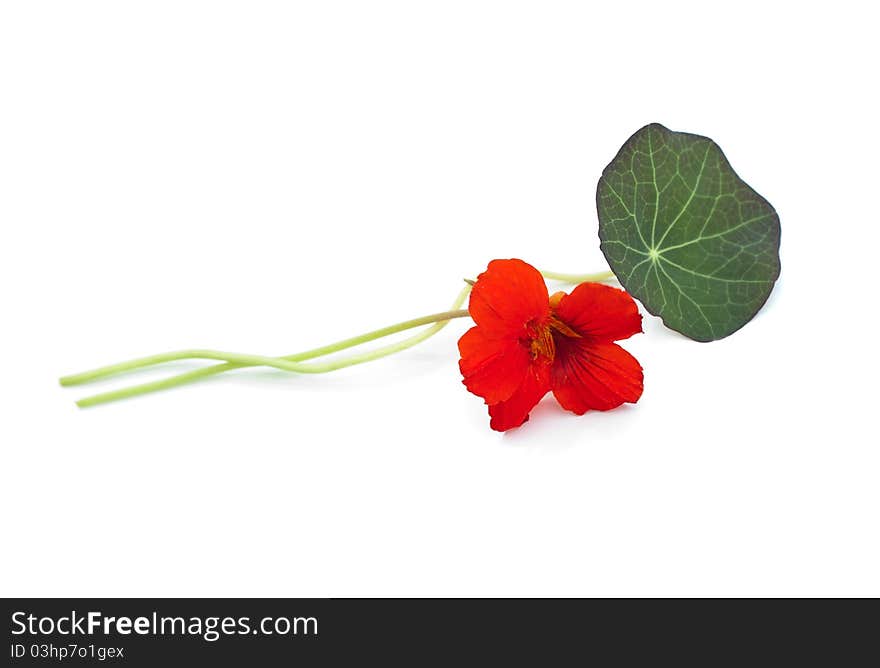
(578, 278)
(288, 363)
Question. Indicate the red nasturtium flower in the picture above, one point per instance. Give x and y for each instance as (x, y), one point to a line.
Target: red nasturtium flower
(527, 343)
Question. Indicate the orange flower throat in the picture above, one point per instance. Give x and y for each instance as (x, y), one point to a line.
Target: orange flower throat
(541, 335)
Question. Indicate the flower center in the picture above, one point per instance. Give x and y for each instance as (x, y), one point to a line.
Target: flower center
(541, 339)
(541, 344)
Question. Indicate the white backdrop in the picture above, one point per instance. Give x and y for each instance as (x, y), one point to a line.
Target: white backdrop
(265, 177)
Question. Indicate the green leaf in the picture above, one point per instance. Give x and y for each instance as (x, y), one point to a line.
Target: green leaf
(685, 235)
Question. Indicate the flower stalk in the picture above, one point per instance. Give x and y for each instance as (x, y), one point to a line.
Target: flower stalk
(291, 363)
(288, 363)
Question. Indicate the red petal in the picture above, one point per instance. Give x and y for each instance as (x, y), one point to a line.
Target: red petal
(492, 368)
(509, 294)
(600, 312)
(513, 412)
(600, 377)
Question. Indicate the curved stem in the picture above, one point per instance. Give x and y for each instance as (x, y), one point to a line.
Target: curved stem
(288, 363)
(578, 278)
(155, 386)
(247, 359)
(440, 320)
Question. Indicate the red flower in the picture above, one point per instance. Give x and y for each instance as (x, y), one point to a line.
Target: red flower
(527, 343)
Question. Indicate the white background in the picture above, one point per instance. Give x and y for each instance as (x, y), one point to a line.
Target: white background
(265, 177)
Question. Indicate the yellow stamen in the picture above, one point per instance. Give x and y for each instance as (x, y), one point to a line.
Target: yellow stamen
(562, 328)
(540, 339)
(542, 344)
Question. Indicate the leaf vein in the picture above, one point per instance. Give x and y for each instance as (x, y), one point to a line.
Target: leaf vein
(693, 194)
(719, 234)
(709, 276)
(689, 298)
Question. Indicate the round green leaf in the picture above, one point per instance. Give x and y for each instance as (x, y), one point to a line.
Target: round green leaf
(685, 235)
